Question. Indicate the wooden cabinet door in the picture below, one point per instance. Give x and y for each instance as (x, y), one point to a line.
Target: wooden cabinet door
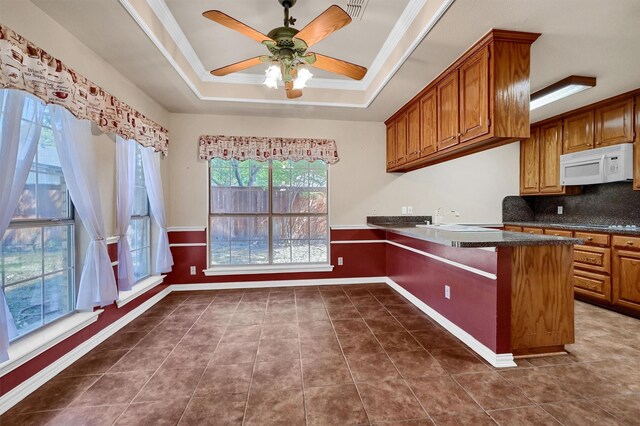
(413, 144)
(550, 150)
(578, 132)
(626, 278)
(448, 133)
(428, 113)
(614, 123)
(401, 140)
(474, 96)
(636, 149)
(391, 145)
(530, 164)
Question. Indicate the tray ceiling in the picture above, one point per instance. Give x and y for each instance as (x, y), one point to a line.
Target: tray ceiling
(584, 37)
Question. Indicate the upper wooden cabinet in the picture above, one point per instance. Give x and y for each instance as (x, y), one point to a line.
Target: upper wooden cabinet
(578, 132)
(614, 123)
(428, 123)
(550, 151)
(401, 140)
(530, 164)
(479, 102)
(474, 99)
(391, 145)
(448, 126)
(413, 132)
(636, 148)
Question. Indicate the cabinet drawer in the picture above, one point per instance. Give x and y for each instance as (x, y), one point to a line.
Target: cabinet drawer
(532, 230)
(513, 228)
(593, 239)
(592, 258)
(559, 232)
(628, 242)
(593, 285)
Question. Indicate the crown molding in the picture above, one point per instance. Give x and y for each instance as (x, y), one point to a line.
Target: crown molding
(173, 29)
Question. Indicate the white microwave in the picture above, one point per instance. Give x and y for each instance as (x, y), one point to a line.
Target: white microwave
(600, 165)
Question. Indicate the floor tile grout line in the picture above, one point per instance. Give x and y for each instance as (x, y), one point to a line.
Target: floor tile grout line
(109, 369)
(160, 366)
(394, 365)
(208, 362)
(304, 394)
(346, 361)
(255, 362)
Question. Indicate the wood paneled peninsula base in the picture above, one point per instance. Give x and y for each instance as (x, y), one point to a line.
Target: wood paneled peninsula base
(510, 294)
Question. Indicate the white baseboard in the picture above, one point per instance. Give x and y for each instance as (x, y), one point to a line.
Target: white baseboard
(276, 283)
(497, 360)
(25, 388)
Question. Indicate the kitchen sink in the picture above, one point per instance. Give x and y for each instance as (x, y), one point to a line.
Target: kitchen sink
(454, 227)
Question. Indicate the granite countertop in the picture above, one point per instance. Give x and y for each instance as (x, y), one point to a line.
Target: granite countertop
(492, 238)
(578, 227)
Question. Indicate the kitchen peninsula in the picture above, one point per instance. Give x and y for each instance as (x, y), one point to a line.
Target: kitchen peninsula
(504, 294)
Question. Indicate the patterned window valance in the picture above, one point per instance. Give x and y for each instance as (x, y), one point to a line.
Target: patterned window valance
(24, 66)
(266, 148)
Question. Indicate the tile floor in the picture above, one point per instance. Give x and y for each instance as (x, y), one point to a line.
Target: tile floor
(350, 355)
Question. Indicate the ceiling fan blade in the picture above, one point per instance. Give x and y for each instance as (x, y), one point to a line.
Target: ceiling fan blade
(234, 24)
(336, 66)
(323, 25)
(238, 66)
(293, 93)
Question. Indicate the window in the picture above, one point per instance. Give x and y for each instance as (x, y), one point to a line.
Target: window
(37, 250)
(139, 234)
(272, 212)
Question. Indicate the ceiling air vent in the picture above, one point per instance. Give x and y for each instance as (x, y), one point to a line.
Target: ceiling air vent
(355, 8)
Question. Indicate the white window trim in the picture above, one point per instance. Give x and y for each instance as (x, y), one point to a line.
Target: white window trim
(139, 288)
(32, 345)
(268, 269)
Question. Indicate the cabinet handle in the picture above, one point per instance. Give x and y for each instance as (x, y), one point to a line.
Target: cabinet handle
(589, 238)
(629, 243)
(556, 234)
(591, 259)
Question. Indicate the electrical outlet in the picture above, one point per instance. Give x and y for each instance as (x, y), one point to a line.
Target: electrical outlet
(409, 210)
(404, 210)
(193, 270)
(340, 261)
(447, 292)
(560, 210)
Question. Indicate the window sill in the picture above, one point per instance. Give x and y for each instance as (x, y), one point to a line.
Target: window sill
(141, 287)
(36, 343)
(267, 269)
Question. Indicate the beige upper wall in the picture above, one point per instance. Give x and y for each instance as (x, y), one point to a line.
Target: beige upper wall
(359, 186)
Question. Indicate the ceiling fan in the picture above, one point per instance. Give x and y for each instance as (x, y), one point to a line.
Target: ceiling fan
(288, 48)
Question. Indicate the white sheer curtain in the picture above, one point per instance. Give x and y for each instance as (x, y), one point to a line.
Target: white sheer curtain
(126, 189)
(73, 143)
(153, 180)
(20, 124)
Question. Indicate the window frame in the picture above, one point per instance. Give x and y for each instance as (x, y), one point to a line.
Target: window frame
(69, 222)
(259, 267)
(145, 219)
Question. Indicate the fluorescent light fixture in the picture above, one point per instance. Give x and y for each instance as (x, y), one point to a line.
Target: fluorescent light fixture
(561, 89)
(273, 74)
(303, 77)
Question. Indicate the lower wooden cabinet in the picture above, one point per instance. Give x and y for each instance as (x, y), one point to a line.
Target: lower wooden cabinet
(606, 268)
(592, 285)
(626, 278)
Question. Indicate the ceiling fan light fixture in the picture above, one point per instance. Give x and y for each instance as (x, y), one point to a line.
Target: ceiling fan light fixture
(273, 74)
(302, 79)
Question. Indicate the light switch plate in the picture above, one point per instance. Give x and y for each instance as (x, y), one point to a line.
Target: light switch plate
(193, 270)
(404, 210)
(560, 210)
(447, 292)
(409, 210)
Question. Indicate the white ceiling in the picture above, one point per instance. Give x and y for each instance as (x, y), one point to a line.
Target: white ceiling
(586, 37)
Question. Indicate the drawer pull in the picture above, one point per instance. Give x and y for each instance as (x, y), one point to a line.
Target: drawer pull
(629, 243)
(589, 238)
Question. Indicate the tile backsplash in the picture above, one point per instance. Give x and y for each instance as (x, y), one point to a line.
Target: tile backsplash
(607, 204)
